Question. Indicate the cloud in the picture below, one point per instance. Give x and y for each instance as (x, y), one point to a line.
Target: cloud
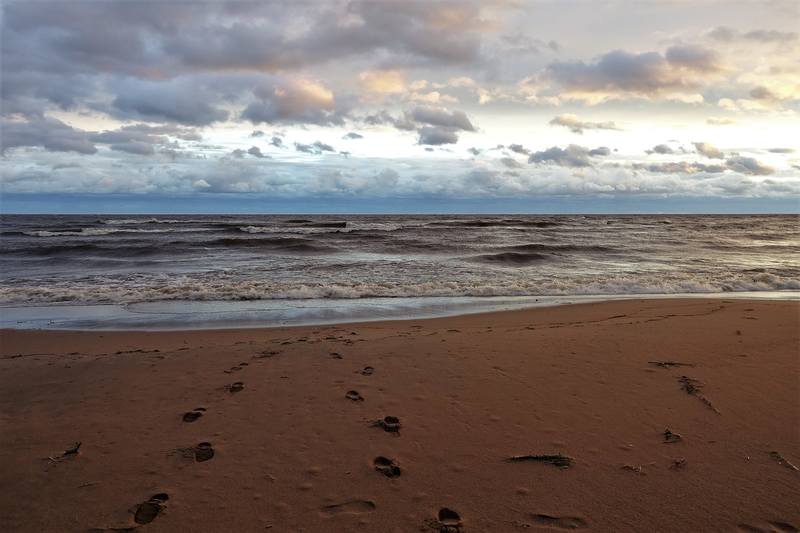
(434, 125)
(680, 167)
(695, 58)
(256, 152)
(437, 116)
(257, 133)
(48, 133)
(727, 34)
(276, 141)
(317, 147)
(749, 165)
(771, 36)
(762, 93)
(708, 150)
(742, 165)
(571, 156)
(600, 151)
(781, 150)
(437, 136)
(510, 162)
(578, 126)
(645, 74)
(660, 149)
(519, 149)
(383, 81)
(352, 136)
(143, 139)
(181, 100)
(293, 101)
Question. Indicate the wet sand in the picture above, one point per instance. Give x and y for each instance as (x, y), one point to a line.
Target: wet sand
(659, 415)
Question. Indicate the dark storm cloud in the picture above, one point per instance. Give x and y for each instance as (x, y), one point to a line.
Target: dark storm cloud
(437, 136)
(519, 149)
(579, 126)
(571, 156)
(600, 151)
(437, 116)
(255, 151)
(644, 73)
(56, 136)
(276, 142)
(133, 147)
(179, 101)
(384, 118)
(434, 125)
(48, 133)
(64, 52)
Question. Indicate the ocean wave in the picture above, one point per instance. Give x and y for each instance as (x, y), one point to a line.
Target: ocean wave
(130, 249)
(219, 288)
(90, 232)
(511, 258)
(132, 221)
(289, 244)
(496, 223)
(96, 232)
(538, 247)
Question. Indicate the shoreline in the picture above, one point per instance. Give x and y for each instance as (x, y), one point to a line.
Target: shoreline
(257, 314)
(536, 419)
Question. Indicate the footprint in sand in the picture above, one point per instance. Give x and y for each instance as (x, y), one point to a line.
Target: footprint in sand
(387, 467)
(367, 371)
(354, 395)
(559, 522)
(234, 387)
(350, 507)
(448, 521)
(390, 424)
(147, 511)
(203, 452)
(194, 414)
(199, 454)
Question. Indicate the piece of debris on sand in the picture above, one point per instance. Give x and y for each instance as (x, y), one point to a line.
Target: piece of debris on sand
(558, 460)
(778, 458)
(692, 388)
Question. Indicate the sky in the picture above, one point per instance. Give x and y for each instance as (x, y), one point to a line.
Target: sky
(398, 106)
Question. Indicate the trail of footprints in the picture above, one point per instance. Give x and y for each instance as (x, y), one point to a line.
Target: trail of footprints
(447, 520)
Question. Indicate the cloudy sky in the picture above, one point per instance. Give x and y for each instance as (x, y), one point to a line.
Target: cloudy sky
(137, 105)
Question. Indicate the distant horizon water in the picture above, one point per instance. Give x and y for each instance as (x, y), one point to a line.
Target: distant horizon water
(124, 260)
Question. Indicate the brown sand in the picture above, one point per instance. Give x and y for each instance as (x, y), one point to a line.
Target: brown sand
(290, 452)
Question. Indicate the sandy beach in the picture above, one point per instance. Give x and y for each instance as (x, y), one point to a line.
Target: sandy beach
(641, 415)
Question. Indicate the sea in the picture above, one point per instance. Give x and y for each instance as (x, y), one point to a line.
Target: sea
(188, 271)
